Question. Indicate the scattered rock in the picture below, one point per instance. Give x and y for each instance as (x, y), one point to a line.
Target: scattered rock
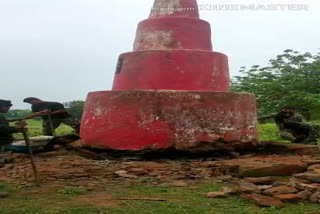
(248, 187)
(264, 187)
(262, 180)
(315, 168)
(228, 190)
(281, 182)
(217, 194)
(298, 180)
(125, 174)
(4, 195)
(305, 195)
(280, 190)
(311, 176)
(315, 198)
(272, 165)
(262, 200)
(288, 197)
(312, 187)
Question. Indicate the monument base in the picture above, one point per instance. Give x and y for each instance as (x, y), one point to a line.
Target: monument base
(182, 120)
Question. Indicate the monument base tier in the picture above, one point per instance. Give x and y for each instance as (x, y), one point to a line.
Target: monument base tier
(182, 120)
(172, 70)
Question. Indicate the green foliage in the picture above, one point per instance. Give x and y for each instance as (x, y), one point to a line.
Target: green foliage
(17, 113)
(291, 79)
(269, 131)
(72, 191)
(75, 108)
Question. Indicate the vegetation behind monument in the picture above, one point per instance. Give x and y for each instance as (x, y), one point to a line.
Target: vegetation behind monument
(292, 78)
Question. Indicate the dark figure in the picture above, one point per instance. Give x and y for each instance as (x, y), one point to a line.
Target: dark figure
(60, 142)
(293, 127)
(58, 114)
(6, 131)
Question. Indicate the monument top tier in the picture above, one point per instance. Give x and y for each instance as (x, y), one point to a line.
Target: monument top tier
(176, 8)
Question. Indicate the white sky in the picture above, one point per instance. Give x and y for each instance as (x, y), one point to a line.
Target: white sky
(59, 50)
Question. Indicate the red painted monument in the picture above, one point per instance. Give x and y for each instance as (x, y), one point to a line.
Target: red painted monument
(171, 91)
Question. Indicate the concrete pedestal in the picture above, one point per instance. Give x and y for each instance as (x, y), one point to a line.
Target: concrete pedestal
(137, 120)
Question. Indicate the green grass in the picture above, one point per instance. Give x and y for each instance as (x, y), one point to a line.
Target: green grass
(189, 200)
(35, 129)
(269, 131)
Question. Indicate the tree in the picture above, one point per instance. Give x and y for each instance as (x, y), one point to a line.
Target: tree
(75, 108)
(292, 78)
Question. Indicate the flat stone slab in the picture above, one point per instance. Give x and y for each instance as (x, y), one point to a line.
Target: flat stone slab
(262, 166)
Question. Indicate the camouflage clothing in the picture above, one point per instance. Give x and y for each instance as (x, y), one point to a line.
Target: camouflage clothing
(295, 129)
(70, 121)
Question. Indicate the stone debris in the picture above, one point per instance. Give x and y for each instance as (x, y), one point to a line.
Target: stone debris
(288, 197)
(217, 195)
(261, 200)
(311, 176)
(280, 190)
(315, 198)
(305, 195)
(125, 174)
(246, 187)
(254, 178)
(262, 180)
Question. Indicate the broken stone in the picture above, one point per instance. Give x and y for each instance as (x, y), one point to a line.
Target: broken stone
(315, 198)
(125, 174)
(261, 200)
(312, 187)
(217, 194)
(298, 180)
(298, 186)
(228, 190)
(264, 187)
(288, 197)
(311, 176)
(262, 180)
(138, 171)
(281, 182)
(248, 187)
(315, 168)
(305, 195)
(272, 165)
(280, 190)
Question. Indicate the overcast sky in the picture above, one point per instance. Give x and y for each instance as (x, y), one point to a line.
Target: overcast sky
(59, 50)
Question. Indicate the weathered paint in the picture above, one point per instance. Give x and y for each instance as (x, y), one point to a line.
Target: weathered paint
(173, 33)
(173, 70)
(171, 91)
(136, 120)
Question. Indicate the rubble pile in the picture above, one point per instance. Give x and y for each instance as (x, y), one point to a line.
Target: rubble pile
(274, 190)
(266, 180)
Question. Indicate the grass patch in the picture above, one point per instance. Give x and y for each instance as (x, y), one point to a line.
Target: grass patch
(35, 129)
(73, 191)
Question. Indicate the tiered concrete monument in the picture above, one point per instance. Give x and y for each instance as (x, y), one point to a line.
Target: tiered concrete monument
(171, 91)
